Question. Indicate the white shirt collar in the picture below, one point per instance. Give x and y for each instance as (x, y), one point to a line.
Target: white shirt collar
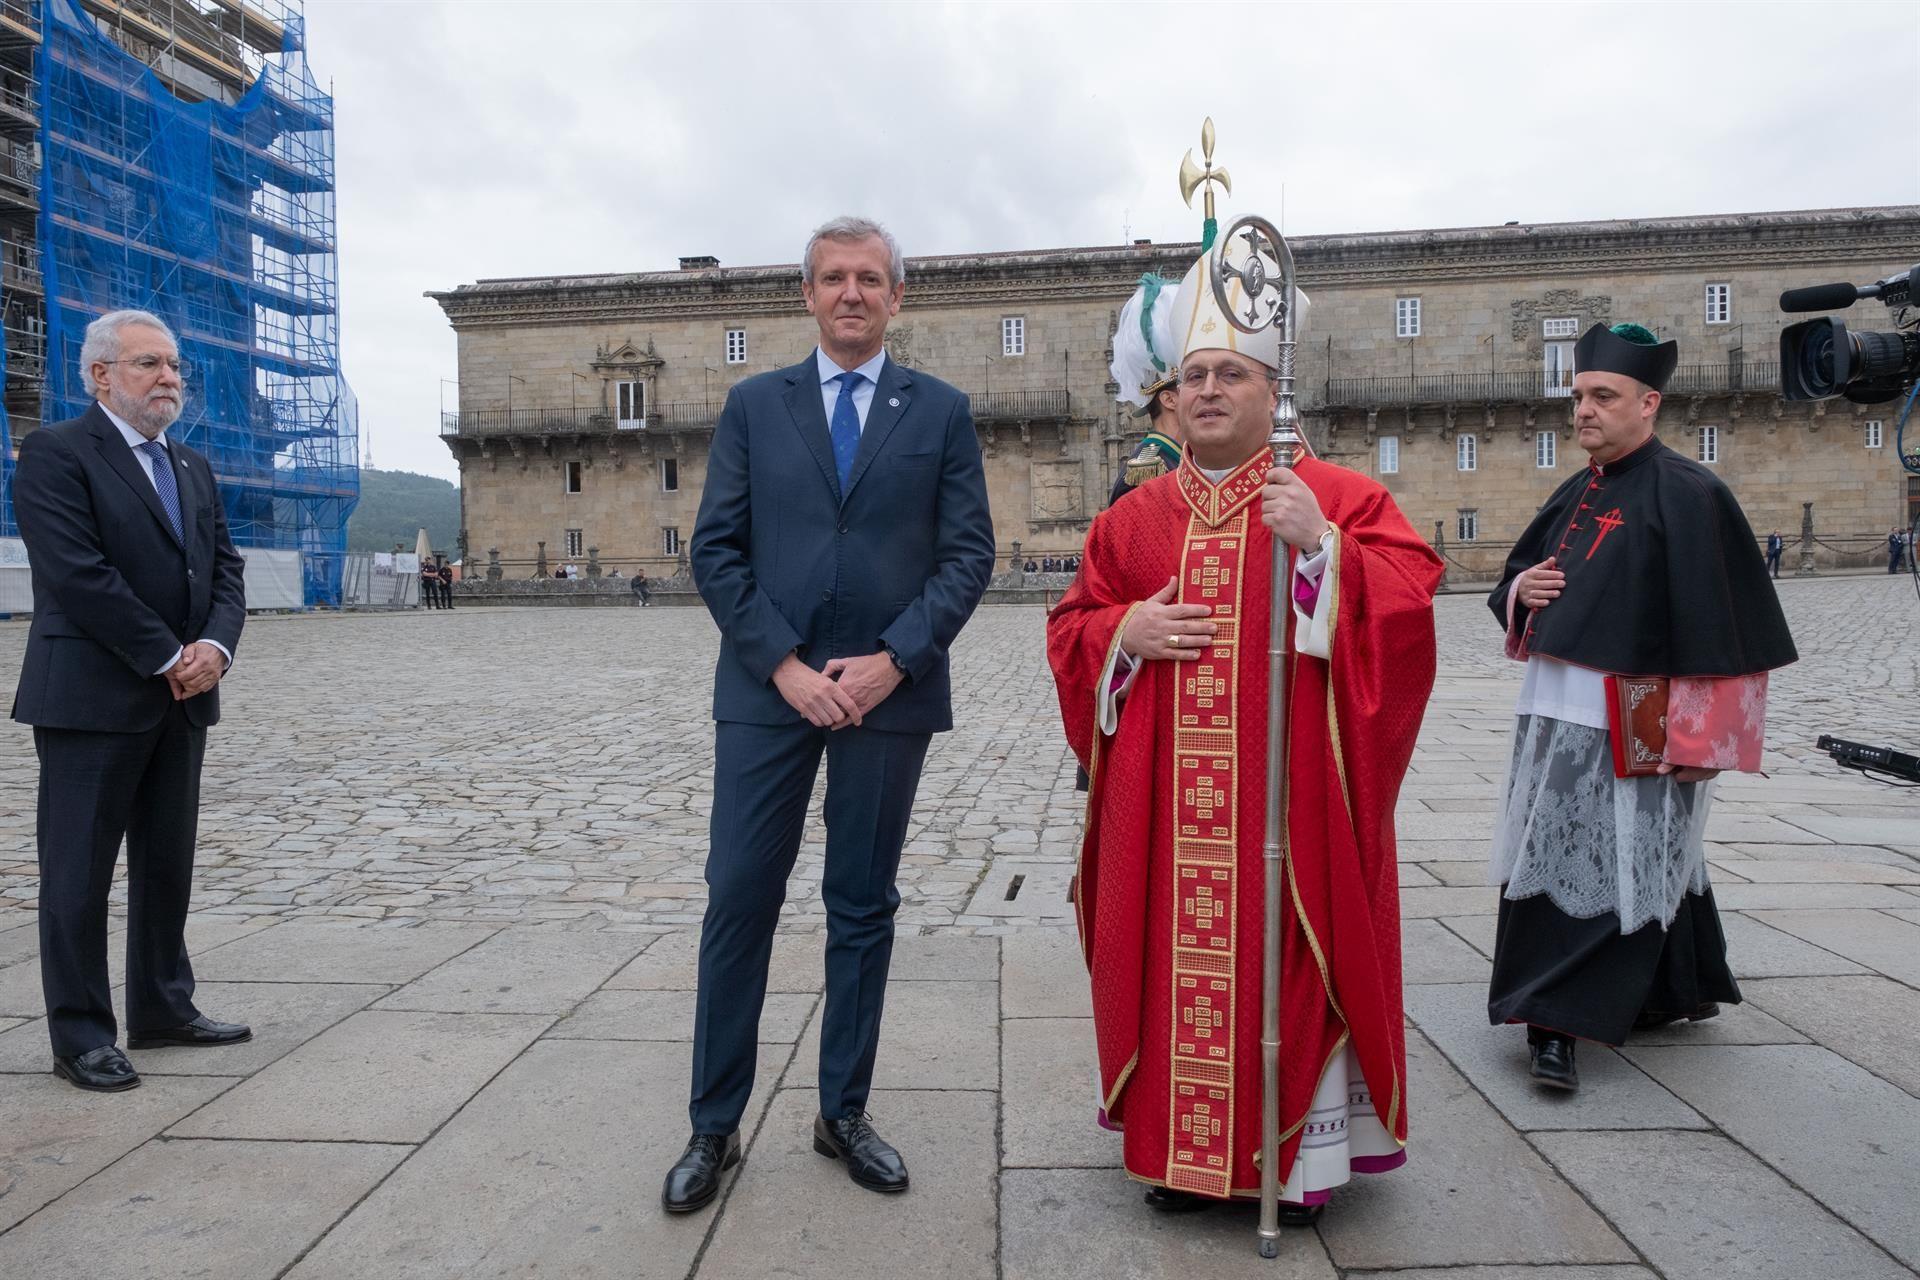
(829, 370)
(133, 438)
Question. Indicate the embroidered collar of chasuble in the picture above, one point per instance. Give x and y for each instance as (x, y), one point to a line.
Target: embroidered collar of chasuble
(1215, 504)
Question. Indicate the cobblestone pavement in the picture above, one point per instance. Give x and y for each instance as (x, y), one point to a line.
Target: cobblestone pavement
(471, 1060)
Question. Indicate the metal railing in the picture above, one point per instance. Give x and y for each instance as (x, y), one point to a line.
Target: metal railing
(1020, 406)
(1758, 377)
(691, 415)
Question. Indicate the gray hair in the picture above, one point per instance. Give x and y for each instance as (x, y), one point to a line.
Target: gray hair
(848, 231)
(103, 339)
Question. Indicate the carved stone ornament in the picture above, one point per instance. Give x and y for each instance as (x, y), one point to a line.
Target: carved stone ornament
(900, 344)
(1526, 314)
(1058, 490)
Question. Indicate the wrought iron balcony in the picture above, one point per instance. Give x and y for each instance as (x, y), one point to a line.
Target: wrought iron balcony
(1020, 406)
(691, 415)
(1756, 378)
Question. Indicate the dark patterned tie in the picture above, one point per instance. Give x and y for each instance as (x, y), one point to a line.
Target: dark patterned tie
(846, 427)
(164, 481)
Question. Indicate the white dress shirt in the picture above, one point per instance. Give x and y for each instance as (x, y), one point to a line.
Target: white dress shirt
(862, 394)
(134, 440)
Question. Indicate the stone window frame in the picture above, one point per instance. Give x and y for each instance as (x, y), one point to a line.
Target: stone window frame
(1556, 383)
(1466, 527)
(736, 346)
(1707, 447)
(1389, 455)
(670, 540)
(1546, 450)
(1406, 316)
(1466, 452)
(1558, 327)
(1875, 432)
(1013, 335)
(625, 400)
(571, 477)
(1719, 302)
(575, 542)
(669, 475)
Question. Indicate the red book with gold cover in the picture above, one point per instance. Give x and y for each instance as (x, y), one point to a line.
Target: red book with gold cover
(1637, 724)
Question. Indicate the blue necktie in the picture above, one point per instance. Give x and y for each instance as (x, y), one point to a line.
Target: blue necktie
(164, 482)
(846, 427)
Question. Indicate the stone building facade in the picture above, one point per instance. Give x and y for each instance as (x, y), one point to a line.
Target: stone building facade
(1436, 361)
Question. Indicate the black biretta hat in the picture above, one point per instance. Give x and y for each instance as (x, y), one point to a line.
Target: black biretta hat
(1627, 349)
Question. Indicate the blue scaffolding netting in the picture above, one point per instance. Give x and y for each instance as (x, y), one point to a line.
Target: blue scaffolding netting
(220, 220)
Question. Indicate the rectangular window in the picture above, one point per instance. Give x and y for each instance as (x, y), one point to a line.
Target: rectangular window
(1013, 336)
(1874, 433)
(1546, 449)
(1719, 303)
(1557, 376)
(1468, 527)
(670, 541)
(1389, 455)
(1709, 444)
(576, 544)
(1563, 327)
(669, 475)
(1406, 317)
(736, 346)
(572, 470)
(630, 405)
(1467, 452)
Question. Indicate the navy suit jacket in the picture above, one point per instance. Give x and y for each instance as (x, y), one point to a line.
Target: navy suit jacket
(786, 563)
(115, 592)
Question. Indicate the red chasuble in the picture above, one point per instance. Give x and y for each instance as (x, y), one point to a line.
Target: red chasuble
(1171, 876)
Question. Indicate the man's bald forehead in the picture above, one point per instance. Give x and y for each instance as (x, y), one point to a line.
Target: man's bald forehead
(1214, 358)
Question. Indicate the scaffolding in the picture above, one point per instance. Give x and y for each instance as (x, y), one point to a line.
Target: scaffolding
(184, 166)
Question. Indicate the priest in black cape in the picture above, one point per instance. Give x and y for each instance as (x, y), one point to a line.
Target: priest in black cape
(1642, 565)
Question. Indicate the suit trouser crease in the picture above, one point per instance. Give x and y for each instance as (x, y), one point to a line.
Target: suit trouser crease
(763, 779)
(96, 788)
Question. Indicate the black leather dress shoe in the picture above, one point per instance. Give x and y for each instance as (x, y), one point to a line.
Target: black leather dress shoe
(870, 1161)
(694, 1180)
(1301, 1215)
(1553, 1059)
(103, 1070)
(201, 1031)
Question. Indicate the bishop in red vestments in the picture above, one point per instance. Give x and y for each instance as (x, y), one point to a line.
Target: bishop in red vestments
(1159, 652)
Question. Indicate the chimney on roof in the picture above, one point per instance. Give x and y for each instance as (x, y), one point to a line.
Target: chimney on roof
(699, 262)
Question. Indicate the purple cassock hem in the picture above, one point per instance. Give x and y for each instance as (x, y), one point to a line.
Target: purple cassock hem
(1305, 594)
(1100, 1114)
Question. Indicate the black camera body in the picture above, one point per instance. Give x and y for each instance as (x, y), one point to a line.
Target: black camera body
(1821, 359)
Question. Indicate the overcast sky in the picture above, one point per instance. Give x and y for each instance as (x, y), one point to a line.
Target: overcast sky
(485, 138)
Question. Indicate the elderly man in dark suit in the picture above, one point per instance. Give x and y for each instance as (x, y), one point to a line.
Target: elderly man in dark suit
(137, 609)
(843, 540)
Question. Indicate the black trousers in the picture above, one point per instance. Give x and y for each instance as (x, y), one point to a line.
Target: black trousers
(95, 789)
(762, 778)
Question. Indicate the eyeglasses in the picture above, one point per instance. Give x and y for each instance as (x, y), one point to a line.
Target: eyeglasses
(150, 365)
(1228, 376)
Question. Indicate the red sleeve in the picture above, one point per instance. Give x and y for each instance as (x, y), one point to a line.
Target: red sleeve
(1717, 722)
(1082, 631)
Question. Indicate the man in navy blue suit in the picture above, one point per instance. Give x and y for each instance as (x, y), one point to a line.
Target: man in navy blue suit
(843, 540)
(138, 601)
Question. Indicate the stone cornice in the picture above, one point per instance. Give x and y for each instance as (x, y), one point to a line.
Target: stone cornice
(1889, 234)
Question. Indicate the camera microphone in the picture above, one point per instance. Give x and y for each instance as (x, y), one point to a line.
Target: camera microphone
(1820, 297)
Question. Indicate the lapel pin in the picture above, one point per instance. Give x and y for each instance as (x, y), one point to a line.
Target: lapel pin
(894, 403)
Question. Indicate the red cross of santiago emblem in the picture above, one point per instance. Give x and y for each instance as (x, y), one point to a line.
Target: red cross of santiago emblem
(1608, 523)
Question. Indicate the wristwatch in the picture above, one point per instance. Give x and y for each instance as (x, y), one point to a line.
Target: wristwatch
(894, 658)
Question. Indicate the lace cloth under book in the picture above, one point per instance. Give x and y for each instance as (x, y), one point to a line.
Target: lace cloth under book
(1591, 842)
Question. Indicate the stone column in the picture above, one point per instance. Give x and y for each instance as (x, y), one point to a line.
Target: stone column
(593, 563)
(1017, 576)
(540, 564)
(1806, 541)
(1440, 548)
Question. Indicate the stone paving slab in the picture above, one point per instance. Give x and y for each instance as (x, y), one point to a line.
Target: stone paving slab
(1419, 904)
(553, 1169)
(933, 1035)
(1744, 1023)
(307, 952)
(1792, 871)
(943, 958)
(1043, 975)
(1879, 941)
(1838, 1133)
(1507, 1273)
(53, 1137)
(1801, 853)
(1892, 831)
(377, 1077)
(1613, 1093)
(1074, 1222)
(1430, 952)
(1700, 1208)
(668, 1015)
(1871, 1021)
(1048, 1121)
(1472, 1191)
(672, 963)
(520, 971)
(199, 1210)
(1760, 899)
(1757, 950)
(1478, 932)
(795, 1213)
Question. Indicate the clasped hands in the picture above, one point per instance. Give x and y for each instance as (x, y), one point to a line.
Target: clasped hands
(842, 693)
(200, 667)
(1160, 628)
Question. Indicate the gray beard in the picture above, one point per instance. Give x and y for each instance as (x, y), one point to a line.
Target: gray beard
(149, 421)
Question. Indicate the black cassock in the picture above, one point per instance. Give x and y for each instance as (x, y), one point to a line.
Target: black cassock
(1663, 578)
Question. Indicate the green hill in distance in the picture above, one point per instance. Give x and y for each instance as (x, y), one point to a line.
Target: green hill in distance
(396, 505)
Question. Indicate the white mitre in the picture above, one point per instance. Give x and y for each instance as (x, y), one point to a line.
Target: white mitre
(1202, 327)
(1145, 356)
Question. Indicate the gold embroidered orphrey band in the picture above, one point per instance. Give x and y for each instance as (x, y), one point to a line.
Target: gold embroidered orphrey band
(1205, 843)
